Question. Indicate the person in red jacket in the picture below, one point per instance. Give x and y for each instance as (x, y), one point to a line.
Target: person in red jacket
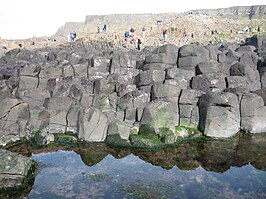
(165, 34)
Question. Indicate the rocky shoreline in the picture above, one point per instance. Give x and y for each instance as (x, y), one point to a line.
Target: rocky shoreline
(168, 93)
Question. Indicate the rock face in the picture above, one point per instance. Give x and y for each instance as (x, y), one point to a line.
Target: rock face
(95, 91)
(122, 21)
(253, 113)
(219, 114)
(114, 21)
(250, 12)
(14, 170)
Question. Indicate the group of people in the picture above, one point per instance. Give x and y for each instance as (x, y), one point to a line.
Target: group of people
(130, 35)
(184, 35)
(104, 29)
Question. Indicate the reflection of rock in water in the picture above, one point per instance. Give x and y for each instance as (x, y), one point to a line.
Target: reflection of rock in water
(214, 155)
(92, 153)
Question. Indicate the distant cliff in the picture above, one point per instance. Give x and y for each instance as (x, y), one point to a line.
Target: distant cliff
(120, 22)
(238, 12)
(115, 22)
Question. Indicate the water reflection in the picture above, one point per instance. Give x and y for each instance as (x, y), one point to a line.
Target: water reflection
(214, 155)
(64, 175)
(233, 168)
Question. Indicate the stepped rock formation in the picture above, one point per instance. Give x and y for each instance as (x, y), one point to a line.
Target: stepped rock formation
(250, 12)
(115, 22)
(118, 22)
(96, 91)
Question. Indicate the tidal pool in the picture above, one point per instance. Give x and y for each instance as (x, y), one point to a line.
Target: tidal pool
(64, 175)
(234, 168)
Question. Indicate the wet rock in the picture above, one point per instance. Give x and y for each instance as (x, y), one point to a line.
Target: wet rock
(120, 128)
(157, 115)
(16, 171)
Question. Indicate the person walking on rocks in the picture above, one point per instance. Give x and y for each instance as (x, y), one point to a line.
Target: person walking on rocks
(165, 33)
(98, 29)
(126, 35)
(139, 43)
(105, 28)
(143, 32)
(74, 36)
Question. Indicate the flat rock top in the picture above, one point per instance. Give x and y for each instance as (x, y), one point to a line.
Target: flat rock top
(13, 169)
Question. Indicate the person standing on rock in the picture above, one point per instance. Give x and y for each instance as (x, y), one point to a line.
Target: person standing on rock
(126, 35)
(98, 29)
(139, 43)
(143, 32)
(105, 28)
(165, 33)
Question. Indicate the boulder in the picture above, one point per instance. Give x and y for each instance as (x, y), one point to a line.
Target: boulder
(5, 90)
(252, 75)
(104, 86)
(28, 82)
(149, 77)
(34, 97)
(221, 57)
(194, 51)
(253, 113)
(156, 66)
(80, 70)
(263, 78)
(16, 171)
(246, 48)
(232, 56)
(94, 126)
(214, 82)
(262, 93)
(124, 89)
(120, 128)
(256, 40)
(207, 67)
(158, 115)
(250, 59)
(165, 92)
(49, 71)
(15, 120)
(219, 114)
(188, 109)
(189, 62)
(213, 51)
(73, 119)
(166, 54)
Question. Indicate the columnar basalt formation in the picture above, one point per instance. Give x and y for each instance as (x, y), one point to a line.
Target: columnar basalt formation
(95, 91)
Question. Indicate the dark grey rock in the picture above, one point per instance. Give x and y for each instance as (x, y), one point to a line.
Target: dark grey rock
(164, 92)
(146, 78)
(219, 114)
(160, 114)
(253, 113)
(15, 170)
(93, 126)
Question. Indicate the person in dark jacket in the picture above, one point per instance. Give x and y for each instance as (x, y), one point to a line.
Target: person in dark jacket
(139, 43)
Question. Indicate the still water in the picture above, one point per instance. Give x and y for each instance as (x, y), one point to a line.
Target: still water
(233, 168)
(64, 175)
